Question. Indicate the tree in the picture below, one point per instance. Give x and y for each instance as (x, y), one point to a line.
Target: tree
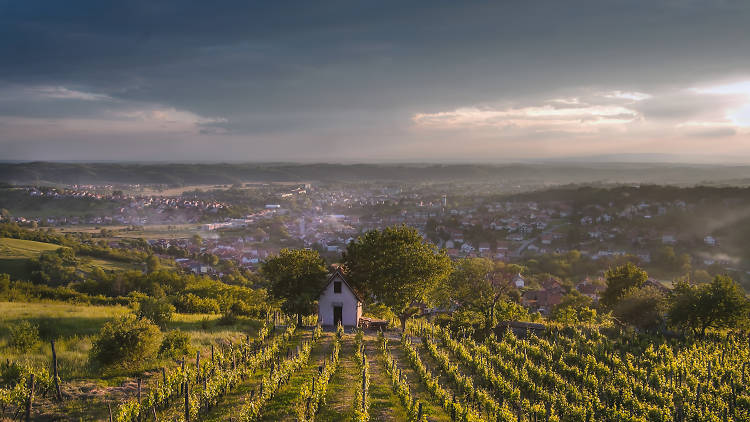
(297, 276)
(395, 266)
(718, 304)
(620, 280)
(197, 239)
(152, 263)
(572, 301)
(475, 284)
(642, 308)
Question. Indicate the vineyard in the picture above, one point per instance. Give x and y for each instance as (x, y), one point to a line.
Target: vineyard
(305, 373)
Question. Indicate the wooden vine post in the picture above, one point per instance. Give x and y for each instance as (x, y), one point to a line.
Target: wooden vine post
(187, 401)
(30, 399)
(58, 392)
(364, 382)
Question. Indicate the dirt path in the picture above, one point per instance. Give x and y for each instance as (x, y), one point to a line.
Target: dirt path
(281, 406)
(384, 404)
(340, 392)
(231, 404)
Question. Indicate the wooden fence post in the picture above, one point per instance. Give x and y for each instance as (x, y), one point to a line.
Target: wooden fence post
(54, 372)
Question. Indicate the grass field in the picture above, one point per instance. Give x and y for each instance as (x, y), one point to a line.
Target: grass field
(17, 248)
(15, 254)
(153, 231)
(73, 325)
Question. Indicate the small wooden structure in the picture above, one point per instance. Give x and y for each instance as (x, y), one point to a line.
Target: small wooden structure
(519, 328)
(339, 303)
(367, 323)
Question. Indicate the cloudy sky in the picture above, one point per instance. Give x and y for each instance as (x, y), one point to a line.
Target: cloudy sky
(369, 81)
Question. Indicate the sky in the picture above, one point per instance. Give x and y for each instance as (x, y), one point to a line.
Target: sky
(374, 81)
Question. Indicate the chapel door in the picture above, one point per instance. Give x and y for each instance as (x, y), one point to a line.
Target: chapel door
(337, 315)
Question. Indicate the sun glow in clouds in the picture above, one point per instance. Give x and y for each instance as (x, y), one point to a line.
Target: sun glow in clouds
(740, 115)
(560, 114)
(623, 95)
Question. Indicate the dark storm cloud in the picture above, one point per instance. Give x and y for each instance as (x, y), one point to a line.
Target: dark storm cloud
(264, 68)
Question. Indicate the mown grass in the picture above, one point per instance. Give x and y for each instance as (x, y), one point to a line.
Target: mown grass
(340, 394)
(281, 407)
(231, 404)
(432, 408)
(384, 404)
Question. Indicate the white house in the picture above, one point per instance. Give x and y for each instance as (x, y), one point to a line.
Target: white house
(339, 303)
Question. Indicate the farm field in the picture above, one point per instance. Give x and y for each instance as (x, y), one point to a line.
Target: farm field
(258, 370)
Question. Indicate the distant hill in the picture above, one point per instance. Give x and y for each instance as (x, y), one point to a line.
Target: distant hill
(180, 174)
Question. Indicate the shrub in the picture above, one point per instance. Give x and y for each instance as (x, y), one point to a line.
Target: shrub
(4, 282)
(158, 311)
(175, 344)
(205, 323)
(24, 335)
(228, 318)
(241, 308)
(193, 304)
(127, 342)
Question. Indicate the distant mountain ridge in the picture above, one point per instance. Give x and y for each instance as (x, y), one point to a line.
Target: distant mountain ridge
(227, 173)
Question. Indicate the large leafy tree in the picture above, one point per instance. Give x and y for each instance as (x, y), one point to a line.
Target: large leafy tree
(396, 267)
(296, 276)
(642, 308)
(478, 284)
(718, 304)
(620, 281)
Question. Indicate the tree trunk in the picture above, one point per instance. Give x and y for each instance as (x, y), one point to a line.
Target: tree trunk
(403, 319)
(299, 320)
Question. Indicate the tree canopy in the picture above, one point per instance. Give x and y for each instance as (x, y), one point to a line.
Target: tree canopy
(718, 304)
(396, 267)
(296, 276)
(621, 280)
(642, 308)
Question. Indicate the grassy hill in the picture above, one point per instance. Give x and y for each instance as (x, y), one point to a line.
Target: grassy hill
(15, 254)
